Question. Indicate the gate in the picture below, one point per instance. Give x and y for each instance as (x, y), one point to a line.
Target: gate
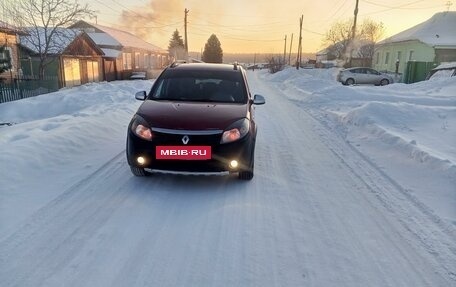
(417, 71)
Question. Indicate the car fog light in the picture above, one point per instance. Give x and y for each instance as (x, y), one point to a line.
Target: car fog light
(234, 164)
(141, 160)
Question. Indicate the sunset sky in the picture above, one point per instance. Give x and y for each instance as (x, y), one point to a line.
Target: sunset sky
(256, 26)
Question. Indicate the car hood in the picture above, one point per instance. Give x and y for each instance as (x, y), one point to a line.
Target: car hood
(191, 116)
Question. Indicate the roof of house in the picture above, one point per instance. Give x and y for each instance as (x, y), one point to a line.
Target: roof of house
(61, 40)
(357, 46)
(439, 30)
(10, 29)
(125, 39)
(111, 53)
(103, 39)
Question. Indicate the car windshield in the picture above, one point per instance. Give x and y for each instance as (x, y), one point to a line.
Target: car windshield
(200, 86)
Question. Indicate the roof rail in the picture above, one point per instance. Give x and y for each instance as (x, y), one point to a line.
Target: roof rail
(177, 63)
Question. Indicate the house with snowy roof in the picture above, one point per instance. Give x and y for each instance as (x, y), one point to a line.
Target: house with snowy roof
(432, 41)
(361, 54)
(72, 58)
(124, 53)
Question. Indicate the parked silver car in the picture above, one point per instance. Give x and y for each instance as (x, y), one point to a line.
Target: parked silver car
(359, 75)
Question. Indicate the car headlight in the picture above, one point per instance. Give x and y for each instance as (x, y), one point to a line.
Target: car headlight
(236, 131)
(140, 128)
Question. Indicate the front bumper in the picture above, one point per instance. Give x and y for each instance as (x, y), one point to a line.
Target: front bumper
(222, 154)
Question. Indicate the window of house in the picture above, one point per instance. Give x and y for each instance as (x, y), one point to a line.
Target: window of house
(137, 64)
(154, 61)
(126, 57)
(93, 73)
(377, 58)
(146, 61)
(5, 57)
(72, 72)
(387, 57)
(410, 55)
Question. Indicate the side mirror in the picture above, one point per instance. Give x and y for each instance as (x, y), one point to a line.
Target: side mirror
(140, 95)
(258, 100)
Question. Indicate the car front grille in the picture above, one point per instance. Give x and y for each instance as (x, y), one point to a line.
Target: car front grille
(176, 137)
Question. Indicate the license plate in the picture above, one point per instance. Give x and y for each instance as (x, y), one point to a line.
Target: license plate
(183, 152)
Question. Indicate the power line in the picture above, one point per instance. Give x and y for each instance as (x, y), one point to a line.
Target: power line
(399, 7)
(394, 7)
(233, 37)
(241, 26)
(338, 9)
(153, 27)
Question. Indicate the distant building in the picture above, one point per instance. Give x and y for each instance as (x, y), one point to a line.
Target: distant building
(124, 53)
(74, 59)
(361, 55)
(431, 41)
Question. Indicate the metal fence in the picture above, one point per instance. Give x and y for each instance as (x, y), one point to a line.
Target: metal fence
(417, 71)
(26, 88)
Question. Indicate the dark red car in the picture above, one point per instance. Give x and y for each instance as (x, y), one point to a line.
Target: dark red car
(197, 118)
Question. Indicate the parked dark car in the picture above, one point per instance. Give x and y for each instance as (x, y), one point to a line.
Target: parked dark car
(197, 118)
(360, 75)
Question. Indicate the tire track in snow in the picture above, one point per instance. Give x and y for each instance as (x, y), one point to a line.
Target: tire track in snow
(413, 221)
(436, 236)
(56, 232)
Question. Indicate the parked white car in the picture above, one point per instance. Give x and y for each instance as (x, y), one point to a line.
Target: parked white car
(360, 75)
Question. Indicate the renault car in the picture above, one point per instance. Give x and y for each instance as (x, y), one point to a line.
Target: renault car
(197, 118)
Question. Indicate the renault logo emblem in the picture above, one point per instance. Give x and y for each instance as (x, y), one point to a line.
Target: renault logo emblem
(185, 139)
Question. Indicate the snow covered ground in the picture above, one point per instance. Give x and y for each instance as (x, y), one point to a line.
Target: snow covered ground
(354, 186)
(407, 130)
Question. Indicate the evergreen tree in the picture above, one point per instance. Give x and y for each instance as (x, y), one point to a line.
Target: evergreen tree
(5, 59)
(176, 46)
(213, 52)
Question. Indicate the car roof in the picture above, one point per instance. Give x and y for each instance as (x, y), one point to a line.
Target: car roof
(204, 67)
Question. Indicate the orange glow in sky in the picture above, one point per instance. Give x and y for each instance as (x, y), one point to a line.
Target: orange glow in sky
(256, 26)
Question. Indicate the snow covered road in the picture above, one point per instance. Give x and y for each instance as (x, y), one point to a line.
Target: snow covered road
(317, 213)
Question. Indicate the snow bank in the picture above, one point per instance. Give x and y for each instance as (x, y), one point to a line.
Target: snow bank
(421, 116)
(407, 129)
(51, 130)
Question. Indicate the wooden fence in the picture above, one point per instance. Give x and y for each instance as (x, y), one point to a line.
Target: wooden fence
(26, 88)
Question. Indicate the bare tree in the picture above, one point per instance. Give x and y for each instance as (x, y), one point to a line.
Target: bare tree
(337, 38)
(45, 22)
(370, 33)
(275, 64)
(339, 42)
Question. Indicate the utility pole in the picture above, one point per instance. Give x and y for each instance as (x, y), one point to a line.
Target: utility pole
(289, 55)
(185, 23)
(354, 22)
(285, 51)
(353, 34)
(298, 59)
